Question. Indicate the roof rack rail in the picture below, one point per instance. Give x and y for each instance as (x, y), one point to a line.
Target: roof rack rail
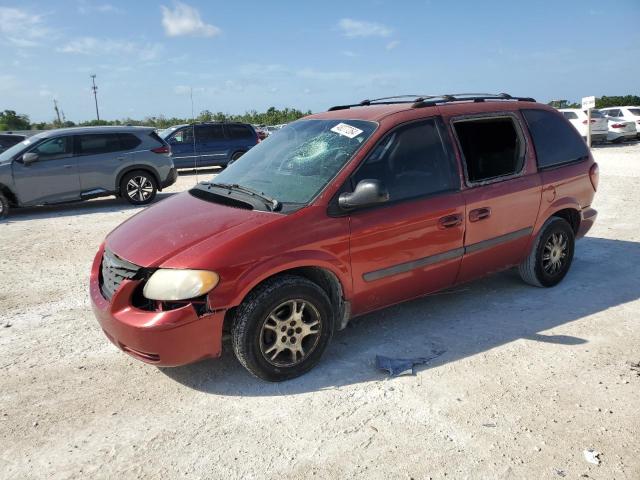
(420, 101)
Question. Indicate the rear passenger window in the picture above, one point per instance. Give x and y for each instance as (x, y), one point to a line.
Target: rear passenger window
(128, 141)
(207, 133)
(93, 144)
(237, 132)
(411, 161)
(491, 147)
(555, 140)
(570, 115)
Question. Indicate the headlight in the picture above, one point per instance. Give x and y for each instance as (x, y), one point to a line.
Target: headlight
(166, 284)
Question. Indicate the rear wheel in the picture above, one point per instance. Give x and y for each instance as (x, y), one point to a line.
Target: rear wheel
(282, 328)
(551, 255)
(138, 187)
(4, 206)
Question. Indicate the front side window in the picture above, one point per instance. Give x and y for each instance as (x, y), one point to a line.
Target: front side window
(555, 140)
(54, 148)
(295, 165)
(491, 148)
(634, 111)
(184, 136)
(95, 143)
(570, 115)
(411, 162)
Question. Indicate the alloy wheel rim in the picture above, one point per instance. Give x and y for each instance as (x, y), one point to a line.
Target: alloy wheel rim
(554, 255)
(290, 333)
(139, 188)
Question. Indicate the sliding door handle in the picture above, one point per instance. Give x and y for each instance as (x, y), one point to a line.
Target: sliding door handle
(450, 221)
(479, 214)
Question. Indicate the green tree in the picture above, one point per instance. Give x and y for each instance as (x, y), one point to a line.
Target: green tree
(617, 101)
(10, 120)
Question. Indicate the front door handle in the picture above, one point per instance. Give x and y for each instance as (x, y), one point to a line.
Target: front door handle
(450, 221)
(479, 214)
(68, 166)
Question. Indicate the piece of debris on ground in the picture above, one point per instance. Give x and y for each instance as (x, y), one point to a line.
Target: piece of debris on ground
(592, 456)
(403, 366)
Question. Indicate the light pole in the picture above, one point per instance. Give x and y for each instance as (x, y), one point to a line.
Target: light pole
(95, 95)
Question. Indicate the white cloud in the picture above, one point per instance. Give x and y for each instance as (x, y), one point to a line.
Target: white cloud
(359, 28)
(21, 28)
(185, 20)
(392, 44)
(325, 76)
(349, 53)
(85, 8)
(97, 46)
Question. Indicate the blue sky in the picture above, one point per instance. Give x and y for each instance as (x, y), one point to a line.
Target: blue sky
(310, 55)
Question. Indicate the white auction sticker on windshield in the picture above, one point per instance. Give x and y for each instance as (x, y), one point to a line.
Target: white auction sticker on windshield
(346, 130)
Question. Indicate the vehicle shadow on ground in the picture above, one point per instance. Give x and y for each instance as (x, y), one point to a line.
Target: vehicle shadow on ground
(98, 205)
(626, 143)
(465, 321)
(205, 172)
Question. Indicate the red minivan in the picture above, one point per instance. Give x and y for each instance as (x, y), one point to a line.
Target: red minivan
(342, 213)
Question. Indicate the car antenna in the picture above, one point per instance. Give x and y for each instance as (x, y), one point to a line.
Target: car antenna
(193, 136)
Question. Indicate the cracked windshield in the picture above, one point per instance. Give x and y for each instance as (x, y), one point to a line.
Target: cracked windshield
(299, 160)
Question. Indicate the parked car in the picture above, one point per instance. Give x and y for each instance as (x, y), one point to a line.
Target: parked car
(630, 114)
(620, 129)
(340, 214)
(209, 144)
(578, 118)
(8, 140)
(81, 163)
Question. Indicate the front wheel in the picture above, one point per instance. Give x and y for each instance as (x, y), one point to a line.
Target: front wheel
(551, 255)
(282, 328)
(138, 188)
(4, 206)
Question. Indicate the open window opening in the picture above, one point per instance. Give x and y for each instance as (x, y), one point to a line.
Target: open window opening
(492, 148)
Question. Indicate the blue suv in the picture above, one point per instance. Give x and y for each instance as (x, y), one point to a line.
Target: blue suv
(209, 144)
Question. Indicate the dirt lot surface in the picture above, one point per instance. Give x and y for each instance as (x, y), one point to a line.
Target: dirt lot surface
(529, 380)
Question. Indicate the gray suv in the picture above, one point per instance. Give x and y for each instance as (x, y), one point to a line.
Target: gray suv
(81, 163)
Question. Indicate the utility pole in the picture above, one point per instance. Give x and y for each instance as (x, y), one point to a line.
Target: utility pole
(95, 95)
(55, 107)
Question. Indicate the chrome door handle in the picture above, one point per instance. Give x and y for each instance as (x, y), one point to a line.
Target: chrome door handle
(479, 214)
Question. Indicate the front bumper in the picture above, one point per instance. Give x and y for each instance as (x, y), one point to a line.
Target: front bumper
(588, 218)
(164, 338)
(171, 178)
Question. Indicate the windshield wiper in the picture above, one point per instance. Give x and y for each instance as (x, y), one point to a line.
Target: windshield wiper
(273, 204)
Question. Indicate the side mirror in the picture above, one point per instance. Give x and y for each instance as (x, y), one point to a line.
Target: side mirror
(368, 192)
(29, 158)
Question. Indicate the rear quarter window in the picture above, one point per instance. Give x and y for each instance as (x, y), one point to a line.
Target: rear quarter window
(555, 140)
(128, 141)
(237, 132)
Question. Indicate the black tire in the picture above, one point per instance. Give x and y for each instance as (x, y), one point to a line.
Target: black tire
(251, 328)
(549, 260)
(138, 187)
(4, 206)
(234, 157)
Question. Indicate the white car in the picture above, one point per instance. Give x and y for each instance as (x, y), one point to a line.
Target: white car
(578, 118)
(620, 130)
(630, 114)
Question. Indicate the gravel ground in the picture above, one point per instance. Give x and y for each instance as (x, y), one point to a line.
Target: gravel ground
(529, 380)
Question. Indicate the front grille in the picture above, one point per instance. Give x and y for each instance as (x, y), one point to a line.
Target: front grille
(113, 271)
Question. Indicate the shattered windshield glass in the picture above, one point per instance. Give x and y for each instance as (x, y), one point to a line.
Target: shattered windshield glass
(293, 166)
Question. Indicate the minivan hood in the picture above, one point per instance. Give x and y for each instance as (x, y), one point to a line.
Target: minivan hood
(176, 224)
